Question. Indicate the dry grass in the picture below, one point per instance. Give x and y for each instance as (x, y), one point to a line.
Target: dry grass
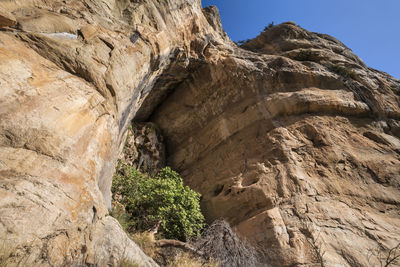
(146, 242)
(187, 260)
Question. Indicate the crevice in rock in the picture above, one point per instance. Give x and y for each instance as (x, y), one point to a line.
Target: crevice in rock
(144, 148)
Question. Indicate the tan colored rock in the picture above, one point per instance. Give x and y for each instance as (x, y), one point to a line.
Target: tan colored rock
(65, 105)
(89, 32)
(293, 150)
(291, 137)
(6, 19)
(44, 21)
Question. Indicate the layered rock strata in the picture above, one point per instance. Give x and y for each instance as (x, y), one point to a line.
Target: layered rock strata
(295, 142)
(291, 137)
(73, 74)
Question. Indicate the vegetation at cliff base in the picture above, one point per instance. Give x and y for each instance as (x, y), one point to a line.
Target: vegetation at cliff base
(160, 200)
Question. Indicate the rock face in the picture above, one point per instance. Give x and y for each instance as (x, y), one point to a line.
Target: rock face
(291, 138)
(144, 148)
(6, 19)
(295, 142)
(73, 74)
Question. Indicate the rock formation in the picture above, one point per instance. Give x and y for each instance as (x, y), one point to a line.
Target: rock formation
(291, 137)
(144, 148)
(73, 74)
(295, 142)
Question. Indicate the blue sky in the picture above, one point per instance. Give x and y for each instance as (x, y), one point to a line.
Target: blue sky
(371, 28)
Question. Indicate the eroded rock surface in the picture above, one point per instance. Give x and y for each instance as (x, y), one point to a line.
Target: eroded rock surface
(73, 74)
(291, 138)
(6, 19)
(144, 148)
(294, 141)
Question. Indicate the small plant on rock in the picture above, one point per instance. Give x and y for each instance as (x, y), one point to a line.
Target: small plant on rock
(241, 42)
(269, 26)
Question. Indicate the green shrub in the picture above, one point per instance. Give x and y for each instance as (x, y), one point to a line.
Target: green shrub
(163, 198)
(119, 213)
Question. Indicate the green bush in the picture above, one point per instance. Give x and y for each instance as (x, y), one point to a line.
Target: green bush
(163, 198)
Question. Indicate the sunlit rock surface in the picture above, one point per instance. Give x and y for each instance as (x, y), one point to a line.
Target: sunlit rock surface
(290, 137)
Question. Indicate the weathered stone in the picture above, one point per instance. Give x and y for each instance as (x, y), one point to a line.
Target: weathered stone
(44, 21)
(66, 104)
(294, 153)
(144, 148)
(290, 137)
(7, 19)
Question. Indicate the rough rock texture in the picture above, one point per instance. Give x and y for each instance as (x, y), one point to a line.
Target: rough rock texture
(291, 139)
(6, 19)
(72, 76)
(295, 142)
(144, 148)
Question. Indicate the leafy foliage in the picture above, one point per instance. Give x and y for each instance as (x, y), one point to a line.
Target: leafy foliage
(163, 198)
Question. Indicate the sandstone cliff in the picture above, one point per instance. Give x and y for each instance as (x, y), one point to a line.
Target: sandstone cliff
(73, 74)
(291, 137)
(294, 139)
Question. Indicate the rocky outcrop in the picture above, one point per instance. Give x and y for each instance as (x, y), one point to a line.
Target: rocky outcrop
(7, 19)
(294, 141)
(73, 74)
(144, 148)
(291, 138)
